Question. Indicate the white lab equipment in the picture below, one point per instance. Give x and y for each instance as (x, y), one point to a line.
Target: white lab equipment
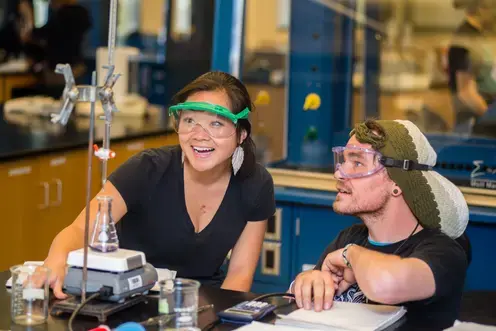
(127, 103)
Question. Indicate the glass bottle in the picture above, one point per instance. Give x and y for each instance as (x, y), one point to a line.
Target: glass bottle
(104, 237)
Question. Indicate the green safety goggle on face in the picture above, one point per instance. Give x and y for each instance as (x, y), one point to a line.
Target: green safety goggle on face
(215, 109)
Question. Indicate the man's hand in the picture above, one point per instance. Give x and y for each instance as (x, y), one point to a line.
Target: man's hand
(334, 263)
(319, 283)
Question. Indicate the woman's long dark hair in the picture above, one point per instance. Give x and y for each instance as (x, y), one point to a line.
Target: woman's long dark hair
(239, 99)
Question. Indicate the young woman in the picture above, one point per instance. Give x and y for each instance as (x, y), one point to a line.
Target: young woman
(187, 206)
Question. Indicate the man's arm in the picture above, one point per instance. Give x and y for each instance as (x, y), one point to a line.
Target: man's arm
(468, 93)
(390, 279)
(317, 285)
(437, 267)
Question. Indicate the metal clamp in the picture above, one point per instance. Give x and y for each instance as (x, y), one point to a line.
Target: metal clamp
(406, 164)
(73, 93)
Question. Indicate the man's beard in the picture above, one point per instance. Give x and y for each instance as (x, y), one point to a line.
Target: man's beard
(364, 209)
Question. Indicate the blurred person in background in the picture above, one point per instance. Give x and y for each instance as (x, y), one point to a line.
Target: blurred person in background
(19, 22)
(60, 40)
(471, 64)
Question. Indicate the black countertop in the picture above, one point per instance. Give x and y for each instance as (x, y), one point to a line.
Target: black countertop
(221, 299)
(476, 307)
(28, 135)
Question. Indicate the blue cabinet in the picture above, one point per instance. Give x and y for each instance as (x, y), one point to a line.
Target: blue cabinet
(274, 266)
(316, 227)
(481, 231)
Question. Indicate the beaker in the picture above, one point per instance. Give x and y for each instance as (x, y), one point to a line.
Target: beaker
(104, 237)
(179, 299)
(29, 294)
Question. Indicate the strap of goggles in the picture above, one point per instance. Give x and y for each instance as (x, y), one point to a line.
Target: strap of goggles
(406, 165)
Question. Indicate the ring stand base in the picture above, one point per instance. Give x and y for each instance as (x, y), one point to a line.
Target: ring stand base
(94, 308)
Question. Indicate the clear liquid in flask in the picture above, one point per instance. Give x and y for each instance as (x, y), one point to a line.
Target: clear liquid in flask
(104, 237)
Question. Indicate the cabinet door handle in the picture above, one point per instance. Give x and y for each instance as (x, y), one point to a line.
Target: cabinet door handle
(297, 227)
(46, 195)
(59, 193)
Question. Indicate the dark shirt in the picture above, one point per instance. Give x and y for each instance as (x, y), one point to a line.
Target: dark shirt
(446, 258)
(458, 56)
(60, 40)
(158, 224)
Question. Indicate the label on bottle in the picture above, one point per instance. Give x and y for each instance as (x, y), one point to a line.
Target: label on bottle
(135, 282)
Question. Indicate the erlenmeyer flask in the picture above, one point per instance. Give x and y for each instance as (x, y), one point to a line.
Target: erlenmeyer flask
(104, 236)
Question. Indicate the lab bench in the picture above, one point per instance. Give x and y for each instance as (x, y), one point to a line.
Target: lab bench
(43, 174)
(304, 224)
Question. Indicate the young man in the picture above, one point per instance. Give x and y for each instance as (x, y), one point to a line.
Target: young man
(405, 252)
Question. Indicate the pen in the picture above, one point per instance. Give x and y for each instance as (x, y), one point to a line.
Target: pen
(165, 318)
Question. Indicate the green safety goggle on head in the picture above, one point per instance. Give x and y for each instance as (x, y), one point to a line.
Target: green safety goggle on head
(215, 109)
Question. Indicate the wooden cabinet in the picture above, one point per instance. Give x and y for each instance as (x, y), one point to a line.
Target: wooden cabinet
(155, 142)
(124, 150)
(16, 180)
(44, 194)
(63, 179)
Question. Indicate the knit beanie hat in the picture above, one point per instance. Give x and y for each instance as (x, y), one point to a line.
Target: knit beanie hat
(433, 199)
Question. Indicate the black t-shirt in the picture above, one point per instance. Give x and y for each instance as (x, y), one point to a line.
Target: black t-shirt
(158, 224)
(445, 257)
(458, 56)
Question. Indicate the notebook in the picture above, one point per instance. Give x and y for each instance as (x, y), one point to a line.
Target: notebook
(468, 326)
(345, 316)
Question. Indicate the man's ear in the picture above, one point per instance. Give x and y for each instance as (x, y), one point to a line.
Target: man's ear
(243, 136)
(396, 191)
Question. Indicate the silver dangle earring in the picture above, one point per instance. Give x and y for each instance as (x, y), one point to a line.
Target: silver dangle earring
(237, 159)
(182, 157)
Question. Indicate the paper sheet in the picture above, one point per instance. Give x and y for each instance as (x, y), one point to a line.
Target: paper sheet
(257, 326)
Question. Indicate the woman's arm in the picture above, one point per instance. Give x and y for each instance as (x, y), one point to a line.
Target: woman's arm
(244, 257)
